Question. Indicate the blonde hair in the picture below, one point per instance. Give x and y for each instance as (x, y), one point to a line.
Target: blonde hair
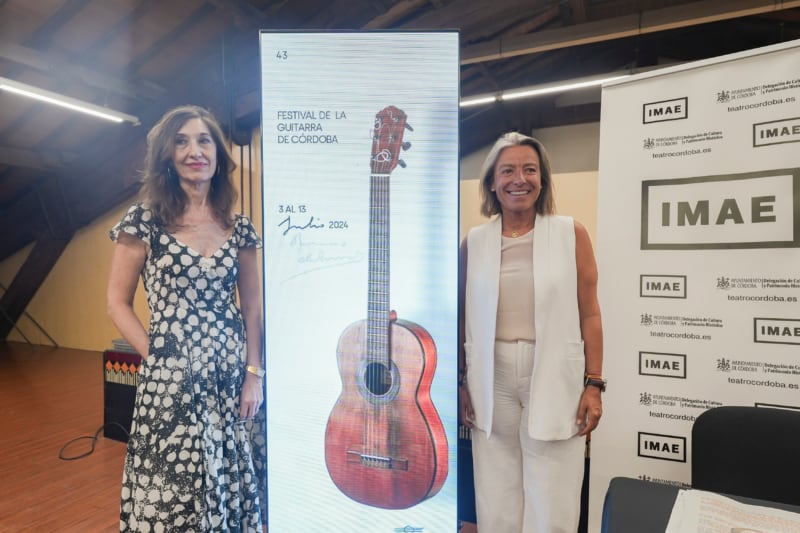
(490, 205)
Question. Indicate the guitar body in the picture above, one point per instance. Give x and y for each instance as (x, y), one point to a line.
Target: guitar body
(385, 445)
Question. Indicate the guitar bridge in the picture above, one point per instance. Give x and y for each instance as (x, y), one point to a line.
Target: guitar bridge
(377, 461)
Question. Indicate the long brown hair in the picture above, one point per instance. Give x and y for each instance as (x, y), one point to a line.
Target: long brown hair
(161, 190)
(490, 205)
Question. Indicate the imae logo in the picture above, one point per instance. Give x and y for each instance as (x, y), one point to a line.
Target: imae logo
(776, 132)
(664, 110)
(751, 210)
(662, 286)
(776, 330)
(665, 447)
(671, 365)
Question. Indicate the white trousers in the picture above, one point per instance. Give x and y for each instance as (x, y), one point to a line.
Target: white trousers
(523, 485)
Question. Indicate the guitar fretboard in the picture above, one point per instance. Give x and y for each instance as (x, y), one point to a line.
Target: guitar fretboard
(378, 279)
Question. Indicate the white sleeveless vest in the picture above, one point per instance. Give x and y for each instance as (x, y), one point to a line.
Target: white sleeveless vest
(559, 361)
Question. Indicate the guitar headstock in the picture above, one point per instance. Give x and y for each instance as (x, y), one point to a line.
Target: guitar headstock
(387, 140)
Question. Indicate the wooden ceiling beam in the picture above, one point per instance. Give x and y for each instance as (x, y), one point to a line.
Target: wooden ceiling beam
(242, 13)
(65, 12)
(618, 27)
(469, 14)
(35, 159)
(534, 23)
(397, 12)
(29, 278)
(177, 32)
(57, 68)
(578, 9)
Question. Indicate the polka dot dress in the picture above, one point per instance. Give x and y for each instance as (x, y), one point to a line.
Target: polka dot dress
(191, 465)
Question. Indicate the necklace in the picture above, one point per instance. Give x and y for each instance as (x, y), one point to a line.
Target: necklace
(516, 233)
(522, 228)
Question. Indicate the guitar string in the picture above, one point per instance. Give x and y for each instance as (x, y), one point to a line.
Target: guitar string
(378, 324)
(378, 346)
(371, 323)
(384, 318)
(371, 311)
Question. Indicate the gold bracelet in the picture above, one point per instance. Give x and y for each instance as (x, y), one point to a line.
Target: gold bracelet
(260, 372)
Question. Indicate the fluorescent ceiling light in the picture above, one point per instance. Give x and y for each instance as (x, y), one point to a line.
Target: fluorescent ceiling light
(65, 101)
(537, 90)
(478, 100)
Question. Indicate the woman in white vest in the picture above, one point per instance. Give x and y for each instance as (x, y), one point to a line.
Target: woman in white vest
(530, 372)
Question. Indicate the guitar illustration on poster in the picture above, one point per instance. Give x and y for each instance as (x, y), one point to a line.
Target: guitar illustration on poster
(385, 445)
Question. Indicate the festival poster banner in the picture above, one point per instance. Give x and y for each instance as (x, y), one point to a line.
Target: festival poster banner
(360, 159)
(698, 253)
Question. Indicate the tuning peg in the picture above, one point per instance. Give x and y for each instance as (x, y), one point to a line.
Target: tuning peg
(408, 127)
(406, 145)
(401, 163)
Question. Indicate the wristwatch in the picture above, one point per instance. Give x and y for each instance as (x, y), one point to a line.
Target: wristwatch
(598, 382)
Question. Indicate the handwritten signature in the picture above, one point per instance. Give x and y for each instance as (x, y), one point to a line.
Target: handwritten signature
(314, 260)
(287, 223)
(298, 241)
(313, 255)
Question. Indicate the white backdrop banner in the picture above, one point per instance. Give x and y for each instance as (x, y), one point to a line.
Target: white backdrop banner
(699, 255)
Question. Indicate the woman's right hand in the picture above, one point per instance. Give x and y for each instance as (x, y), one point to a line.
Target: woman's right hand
(466, 414)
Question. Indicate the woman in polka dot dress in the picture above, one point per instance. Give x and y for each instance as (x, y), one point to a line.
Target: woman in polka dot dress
(196, 456)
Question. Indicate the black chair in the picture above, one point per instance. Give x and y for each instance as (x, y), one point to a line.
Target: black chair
(748, 451)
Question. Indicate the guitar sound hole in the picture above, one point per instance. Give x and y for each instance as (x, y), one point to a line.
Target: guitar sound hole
(378, 378)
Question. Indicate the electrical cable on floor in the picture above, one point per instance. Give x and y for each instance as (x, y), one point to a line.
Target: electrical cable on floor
(93, 439)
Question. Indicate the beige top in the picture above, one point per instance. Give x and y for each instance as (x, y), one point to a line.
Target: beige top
(515, 307)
